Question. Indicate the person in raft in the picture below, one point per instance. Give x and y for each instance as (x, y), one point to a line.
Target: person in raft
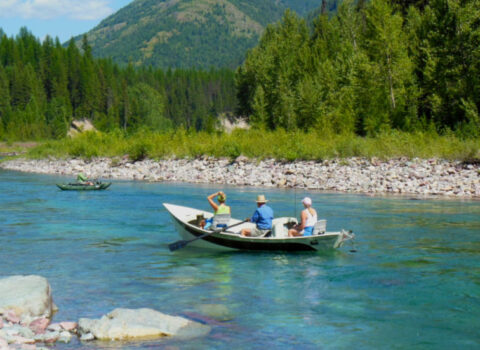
(220, 208)
(82, 178)
(308, 219)
(262, 217)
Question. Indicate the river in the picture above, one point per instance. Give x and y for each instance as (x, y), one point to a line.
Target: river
(414, 281)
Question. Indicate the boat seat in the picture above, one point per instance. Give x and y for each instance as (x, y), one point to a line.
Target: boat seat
(220, 221)
(281, 226)
(266, 234)
(320, 227)
(280, 230)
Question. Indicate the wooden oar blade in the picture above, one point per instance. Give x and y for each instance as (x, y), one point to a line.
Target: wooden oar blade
(177, 245)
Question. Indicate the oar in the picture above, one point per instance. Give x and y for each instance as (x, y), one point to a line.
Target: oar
(180, 244)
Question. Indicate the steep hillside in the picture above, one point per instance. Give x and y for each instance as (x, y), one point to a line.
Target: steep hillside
(188, 33)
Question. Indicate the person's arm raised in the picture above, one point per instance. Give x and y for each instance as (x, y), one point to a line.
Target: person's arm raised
(212, 203)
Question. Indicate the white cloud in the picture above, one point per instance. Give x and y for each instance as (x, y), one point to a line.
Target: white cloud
(49, 9)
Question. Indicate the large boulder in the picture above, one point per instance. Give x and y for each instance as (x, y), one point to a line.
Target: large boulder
(124, 324)
(79, 126)
(229, 123)
(27, 296)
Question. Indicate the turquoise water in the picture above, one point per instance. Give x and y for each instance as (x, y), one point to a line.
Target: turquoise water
(413, 283)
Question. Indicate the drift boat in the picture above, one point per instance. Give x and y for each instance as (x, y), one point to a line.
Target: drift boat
(83, 187)
(187, 222)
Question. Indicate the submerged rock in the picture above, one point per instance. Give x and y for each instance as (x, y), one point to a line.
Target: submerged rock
(124, 324)
(218, 312)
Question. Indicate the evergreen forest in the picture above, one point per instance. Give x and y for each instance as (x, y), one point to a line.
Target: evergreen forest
(375, 68)
(44, 86)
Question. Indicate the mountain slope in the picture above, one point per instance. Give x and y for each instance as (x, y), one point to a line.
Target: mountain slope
(188, 33)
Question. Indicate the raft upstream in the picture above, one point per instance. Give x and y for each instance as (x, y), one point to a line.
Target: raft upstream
(83, 187)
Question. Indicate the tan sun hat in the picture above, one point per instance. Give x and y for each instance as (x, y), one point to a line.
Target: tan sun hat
(261, 199)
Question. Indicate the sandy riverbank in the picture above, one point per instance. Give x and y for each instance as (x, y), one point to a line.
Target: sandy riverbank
(355, 175)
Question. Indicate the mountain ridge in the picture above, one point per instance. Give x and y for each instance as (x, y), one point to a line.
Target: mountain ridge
(187, 33)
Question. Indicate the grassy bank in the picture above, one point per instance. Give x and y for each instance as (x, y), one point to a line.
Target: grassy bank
(259, 144)
(9, 148)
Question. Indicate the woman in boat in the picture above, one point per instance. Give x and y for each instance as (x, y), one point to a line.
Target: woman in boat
(308, 219)
(220, 208)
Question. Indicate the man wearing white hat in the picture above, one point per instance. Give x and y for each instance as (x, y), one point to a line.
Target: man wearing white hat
(262, 217)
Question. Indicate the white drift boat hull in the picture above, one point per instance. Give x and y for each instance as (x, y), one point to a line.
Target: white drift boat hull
(184, 219)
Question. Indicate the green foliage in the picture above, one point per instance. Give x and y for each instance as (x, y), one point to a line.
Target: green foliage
(278, 144)
(140, 148)
(448, 64)
(374, 67)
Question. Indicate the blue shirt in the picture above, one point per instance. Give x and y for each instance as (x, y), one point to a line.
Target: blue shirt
(263, 217)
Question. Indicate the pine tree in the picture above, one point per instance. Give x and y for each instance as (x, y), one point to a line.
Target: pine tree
(449, 60)
(4, 101)
(389, 67)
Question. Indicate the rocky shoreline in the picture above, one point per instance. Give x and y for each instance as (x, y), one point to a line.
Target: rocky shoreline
(27, 310)
(420, 177)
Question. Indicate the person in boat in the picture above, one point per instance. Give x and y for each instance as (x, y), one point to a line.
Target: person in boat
(82, 179)
(220, 208)
(262, 217)
(308, 218)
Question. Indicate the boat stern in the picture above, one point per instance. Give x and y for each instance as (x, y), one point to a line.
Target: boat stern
(343, 237)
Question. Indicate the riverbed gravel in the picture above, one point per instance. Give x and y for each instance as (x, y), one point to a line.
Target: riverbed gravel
(421, 177)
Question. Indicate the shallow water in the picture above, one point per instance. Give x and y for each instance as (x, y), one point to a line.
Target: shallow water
(413, 283)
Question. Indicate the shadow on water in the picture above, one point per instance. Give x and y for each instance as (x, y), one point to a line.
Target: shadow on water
(408, 263)
(114, 242)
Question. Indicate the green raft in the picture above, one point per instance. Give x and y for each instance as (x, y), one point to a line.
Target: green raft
(83, 187)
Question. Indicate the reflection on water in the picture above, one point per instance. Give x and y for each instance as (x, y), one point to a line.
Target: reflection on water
(412, 284)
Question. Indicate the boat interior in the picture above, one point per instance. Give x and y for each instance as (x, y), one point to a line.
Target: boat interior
(280, 226)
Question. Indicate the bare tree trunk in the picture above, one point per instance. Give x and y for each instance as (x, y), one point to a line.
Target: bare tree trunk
(390, 81)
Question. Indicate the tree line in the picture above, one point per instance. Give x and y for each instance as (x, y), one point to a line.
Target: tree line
(43, 86)
(372, 67)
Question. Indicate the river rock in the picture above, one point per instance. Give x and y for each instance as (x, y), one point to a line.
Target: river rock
(370, 176)
(65, 337)
(87, 337)
(39, 325)
(69, 326)
(54, 327)
(123, 324)
(22, 340)
(11, 316)
(22, 331)
(51, 337)
(27, 296)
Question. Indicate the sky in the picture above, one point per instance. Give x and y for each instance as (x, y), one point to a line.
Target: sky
(57, 18)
